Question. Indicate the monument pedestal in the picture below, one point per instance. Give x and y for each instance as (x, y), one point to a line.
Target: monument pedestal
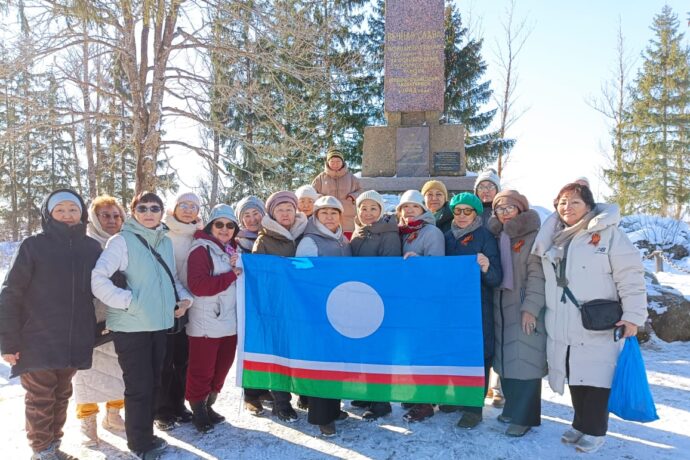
(384, 184)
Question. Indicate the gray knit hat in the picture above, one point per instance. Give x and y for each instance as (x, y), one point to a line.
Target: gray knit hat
(488, 175)
(370, 195)
(250, 202)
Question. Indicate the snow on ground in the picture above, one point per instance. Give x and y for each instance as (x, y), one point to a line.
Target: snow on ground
(247, 437)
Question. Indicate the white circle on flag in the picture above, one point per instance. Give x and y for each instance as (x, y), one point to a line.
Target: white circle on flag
(355, 309)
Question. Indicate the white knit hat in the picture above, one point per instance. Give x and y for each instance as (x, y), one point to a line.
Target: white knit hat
(307, 191)
(488, 175)
(372, 195)
(328, 201)
(412, 196)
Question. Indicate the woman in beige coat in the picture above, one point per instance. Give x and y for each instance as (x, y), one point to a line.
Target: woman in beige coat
(582, 240)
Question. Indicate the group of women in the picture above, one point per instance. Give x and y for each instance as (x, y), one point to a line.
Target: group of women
(167, 285)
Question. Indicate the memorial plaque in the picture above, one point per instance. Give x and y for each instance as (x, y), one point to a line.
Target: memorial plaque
(414, 56)
(447, 163)
(412, 151)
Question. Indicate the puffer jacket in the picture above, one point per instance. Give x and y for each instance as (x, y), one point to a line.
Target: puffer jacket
(212, 281)
(46, 304)
(428, 241)
(276, 240)
(181, 235)
(378, 239)
(518, 355)
(148, 302)
(601, 263)
(444, 217)
(481, 240)
(318, 241)
(340, 184)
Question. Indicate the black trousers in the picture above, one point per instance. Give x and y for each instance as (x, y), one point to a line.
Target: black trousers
(522, 401)
(140, 355)
(591, 406)
(487, 368)
(253, 394)
(323, 411)
(171, 396)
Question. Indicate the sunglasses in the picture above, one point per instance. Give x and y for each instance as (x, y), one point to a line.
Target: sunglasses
(188, 207)
(505, 209)
(155, 209)
(220, 225)
(108, 216)
(465, 211)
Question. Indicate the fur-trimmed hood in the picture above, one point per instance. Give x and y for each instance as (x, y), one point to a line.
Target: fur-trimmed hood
(524, 223)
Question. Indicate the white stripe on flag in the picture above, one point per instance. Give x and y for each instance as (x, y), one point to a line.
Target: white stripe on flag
(464, 371)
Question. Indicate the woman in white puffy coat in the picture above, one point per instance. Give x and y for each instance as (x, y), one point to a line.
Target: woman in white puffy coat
(581, 243)
(212, 327)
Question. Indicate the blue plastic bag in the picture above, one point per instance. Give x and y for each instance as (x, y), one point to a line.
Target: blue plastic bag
(630, 396)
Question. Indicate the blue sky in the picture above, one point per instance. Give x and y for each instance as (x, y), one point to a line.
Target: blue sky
(570, 53)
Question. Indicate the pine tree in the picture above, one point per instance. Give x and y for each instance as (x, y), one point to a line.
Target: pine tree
(660, 122)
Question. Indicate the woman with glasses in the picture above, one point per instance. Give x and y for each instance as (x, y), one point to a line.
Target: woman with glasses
(212, 327)
(486, 186)
(583, 250)
(139, 315)
(467, 236)
(103, 382)
(520, 354)
(281, 229)
(182, 221)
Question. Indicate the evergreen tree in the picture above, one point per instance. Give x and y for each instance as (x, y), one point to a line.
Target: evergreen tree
(659, 134)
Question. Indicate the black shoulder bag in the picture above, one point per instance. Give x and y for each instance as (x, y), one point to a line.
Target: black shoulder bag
(180, 322)
(597, 314)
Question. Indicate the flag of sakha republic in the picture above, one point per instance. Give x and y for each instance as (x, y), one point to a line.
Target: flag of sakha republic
(363, 328)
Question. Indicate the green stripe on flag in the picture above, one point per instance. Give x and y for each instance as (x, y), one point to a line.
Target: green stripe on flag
(435, 394)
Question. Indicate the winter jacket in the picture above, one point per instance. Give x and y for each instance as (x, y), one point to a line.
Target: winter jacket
(428, 241)
(378, 239)
(245, 241)
(518, 355)
(148, 302)
(444, 217)
(481, 240)
(274, 239)
(212, 281)
(46, 304)
(318, 241)
(181, 236)
(103, 382)
(601, 263)
(340, 184)
(487, 214)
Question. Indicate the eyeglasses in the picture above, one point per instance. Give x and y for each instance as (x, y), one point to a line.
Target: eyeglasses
(486, 188)
(505, 209)
(108, 216)
(466, 211)
(188, 206)
(220, 225)
(155, 209)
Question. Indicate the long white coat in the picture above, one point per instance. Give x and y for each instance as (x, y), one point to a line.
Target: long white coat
(608, 269)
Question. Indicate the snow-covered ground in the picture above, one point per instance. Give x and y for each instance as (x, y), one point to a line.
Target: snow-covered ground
(247, 437)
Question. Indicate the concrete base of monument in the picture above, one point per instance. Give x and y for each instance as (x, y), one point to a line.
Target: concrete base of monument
(400, 184)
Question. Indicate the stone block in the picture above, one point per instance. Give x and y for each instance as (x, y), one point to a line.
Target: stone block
(378, 151)
(446, 142)
(412, 151)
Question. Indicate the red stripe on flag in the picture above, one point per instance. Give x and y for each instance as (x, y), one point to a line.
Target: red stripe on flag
(390, 379)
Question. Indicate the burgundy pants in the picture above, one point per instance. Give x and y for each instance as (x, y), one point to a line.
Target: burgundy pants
(47, 396)
(210, 361)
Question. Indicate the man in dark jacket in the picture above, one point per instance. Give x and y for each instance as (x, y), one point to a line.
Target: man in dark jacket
(47, 316)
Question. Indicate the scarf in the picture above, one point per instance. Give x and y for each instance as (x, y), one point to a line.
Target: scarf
(564, 235)
(506, 261)
(411, 228)
(458, 232)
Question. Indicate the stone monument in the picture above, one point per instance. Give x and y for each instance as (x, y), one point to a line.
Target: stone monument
(414, 147)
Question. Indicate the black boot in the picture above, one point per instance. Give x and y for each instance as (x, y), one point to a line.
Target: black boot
(200, 417)
(214, 416)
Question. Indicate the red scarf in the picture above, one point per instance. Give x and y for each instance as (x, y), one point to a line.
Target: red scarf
(411, 228)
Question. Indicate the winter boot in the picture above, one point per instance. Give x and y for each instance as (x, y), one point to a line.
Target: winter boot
(214, 416)
(589, 444)
(89, 431)
(419, 413)
(113, 420)
(327, 430)
(183, 415)
(200, 417)
(376, 410)
(571, 436)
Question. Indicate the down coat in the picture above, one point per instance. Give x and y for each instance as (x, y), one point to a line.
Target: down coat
(46, 304)
(318, 241)
(518, 355)
(340, 184)
(428, 241)
(378, 239)
(601, 263)
(276, 240)
(212, 281)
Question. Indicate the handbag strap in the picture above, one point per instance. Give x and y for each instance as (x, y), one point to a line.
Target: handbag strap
(162, 262)
(562, 281)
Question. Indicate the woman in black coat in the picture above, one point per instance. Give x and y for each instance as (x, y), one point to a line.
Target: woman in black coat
(47, 315)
